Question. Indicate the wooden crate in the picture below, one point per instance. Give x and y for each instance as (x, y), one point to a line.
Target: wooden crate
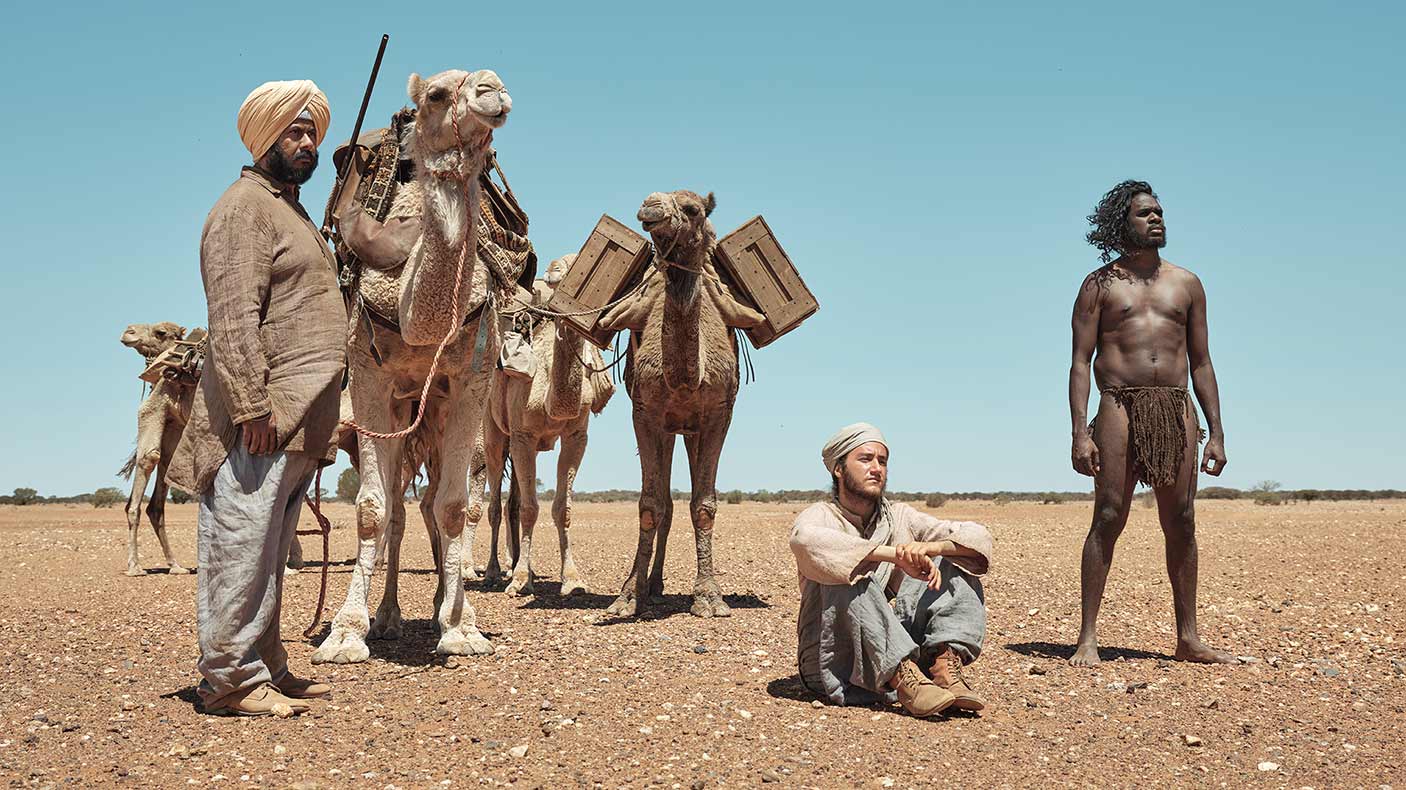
(610, 263)
(752, 259)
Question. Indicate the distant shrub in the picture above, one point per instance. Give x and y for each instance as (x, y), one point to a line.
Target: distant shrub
(180, 497)
(734, 497)
(1001, 499)
(106, 497)
(348, 483)
(1148, 499)
(1220, 492)
(1268, 498)
(1051, 498)
(935, 500)
(24, 496)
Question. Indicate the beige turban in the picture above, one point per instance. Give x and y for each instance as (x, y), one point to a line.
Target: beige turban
(846, 439)
(273, 106)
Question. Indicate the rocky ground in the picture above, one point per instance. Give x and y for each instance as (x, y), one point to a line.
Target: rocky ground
(97, 669)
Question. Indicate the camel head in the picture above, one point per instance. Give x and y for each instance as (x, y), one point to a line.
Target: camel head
(678, 222)
(151, 339)
(477, 100)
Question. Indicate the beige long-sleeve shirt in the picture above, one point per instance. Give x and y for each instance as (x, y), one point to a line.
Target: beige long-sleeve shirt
(831, 550)
(277, 330)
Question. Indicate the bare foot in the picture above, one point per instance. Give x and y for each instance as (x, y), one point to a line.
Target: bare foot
(1085, 654)
(1198, 652)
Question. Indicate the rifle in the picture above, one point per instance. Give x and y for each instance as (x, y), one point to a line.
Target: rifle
(356, 134)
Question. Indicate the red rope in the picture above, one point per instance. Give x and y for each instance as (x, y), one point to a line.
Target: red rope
(325, 529)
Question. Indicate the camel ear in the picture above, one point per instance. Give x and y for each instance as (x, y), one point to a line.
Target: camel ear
(180, 333)
(709, 203)
(414, 88)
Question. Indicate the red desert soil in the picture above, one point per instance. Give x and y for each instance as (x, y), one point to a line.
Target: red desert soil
(97, 670)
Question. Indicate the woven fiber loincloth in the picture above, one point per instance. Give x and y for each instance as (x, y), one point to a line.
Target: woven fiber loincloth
(1156, 430)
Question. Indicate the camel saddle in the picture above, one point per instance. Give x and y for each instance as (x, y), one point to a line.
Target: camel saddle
(378, 167)
(181, 363)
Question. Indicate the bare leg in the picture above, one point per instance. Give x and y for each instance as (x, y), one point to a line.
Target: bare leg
(1113, 494)
(573, 448)
(522, 446)
(1176, 510)
(656, 450)
(704, 450)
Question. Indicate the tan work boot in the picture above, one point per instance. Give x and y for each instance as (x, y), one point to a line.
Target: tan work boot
(919, 696)
(947, 674)
(259, 701)
(300, 688)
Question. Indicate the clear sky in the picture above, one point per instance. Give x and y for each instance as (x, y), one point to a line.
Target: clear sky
(927, 166)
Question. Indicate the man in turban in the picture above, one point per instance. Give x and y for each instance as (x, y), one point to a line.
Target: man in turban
(891, 603)
(263, 418)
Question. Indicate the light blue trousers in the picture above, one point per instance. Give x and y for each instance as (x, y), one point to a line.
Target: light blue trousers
(245, 528)
(851, 639)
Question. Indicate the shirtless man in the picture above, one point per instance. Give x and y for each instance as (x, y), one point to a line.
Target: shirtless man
(1145, 317)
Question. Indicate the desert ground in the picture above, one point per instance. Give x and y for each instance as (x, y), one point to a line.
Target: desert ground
(97, 669)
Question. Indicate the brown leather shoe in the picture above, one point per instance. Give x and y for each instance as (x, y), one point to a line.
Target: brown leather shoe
(300, 688)
(259, 701)
(947, 674)
(919, 696)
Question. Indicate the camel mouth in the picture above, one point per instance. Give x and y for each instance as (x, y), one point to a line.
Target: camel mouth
(651, 224)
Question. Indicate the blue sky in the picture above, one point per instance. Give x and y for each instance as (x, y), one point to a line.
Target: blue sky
(928, 167)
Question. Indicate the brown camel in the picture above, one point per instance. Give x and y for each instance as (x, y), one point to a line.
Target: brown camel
(457, 112)
(529, 415)
(161, 418)
(682, 377)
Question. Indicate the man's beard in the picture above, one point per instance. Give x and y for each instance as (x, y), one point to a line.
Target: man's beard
(295, 172)
(856, 488)
(1138, 241)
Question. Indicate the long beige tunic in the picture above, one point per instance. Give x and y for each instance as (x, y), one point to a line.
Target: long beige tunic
(277, 330)
(831, 550)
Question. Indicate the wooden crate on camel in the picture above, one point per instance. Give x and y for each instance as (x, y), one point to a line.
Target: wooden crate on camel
(750, 261)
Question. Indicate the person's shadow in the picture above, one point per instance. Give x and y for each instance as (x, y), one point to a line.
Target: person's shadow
(1065, 652)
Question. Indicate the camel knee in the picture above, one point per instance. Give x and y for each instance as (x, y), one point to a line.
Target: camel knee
(648, 520)
(370, 518)
(148, 460)
(450, 514)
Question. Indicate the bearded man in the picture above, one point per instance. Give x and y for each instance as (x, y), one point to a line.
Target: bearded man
(891, 603)
(264, 415)
(1143, 321)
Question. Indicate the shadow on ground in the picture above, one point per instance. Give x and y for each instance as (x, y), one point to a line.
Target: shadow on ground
(1065, 652)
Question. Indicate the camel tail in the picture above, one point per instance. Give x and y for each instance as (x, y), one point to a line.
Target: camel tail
(128, 468)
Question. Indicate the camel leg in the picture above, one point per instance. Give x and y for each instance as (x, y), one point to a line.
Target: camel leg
(454, 505)
(387, 623)
(151, 422)
(656, 448)
(704, 449)
(156, 508)
(382, 483)
(523, 448)
(573, 448)
(495, 448)
(478, 471)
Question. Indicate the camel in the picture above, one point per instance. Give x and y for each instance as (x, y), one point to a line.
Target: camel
(527, 416)
(161, 419)
(448, 142)
(682, 376)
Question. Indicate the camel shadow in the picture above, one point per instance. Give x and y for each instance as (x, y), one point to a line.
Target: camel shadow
(671, 604)
(1064, 652)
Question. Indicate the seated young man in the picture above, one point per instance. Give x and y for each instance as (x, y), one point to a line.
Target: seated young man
(891, 606)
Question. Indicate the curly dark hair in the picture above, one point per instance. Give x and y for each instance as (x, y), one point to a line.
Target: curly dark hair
(1110, 218)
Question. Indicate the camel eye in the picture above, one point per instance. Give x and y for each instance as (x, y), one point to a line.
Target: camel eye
(691, 210)
(438, 94)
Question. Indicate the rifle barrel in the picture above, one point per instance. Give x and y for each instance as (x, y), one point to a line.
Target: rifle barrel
(356, 134)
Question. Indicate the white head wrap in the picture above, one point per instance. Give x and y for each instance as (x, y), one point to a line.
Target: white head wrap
(271, 107)
(846, 439)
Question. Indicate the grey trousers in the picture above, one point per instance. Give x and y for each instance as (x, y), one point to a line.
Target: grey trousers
(246, 525)
(851, 639)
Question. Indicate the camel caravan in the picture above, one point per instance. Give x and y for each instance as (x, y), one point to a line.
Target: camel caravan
(463, 365)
